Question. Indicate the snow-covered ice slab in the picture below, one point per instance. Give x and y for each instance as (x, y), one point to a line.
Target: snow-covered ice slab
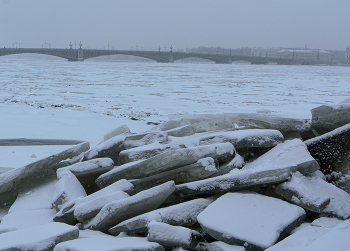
(338, 239)
(66, 189)
(109, 244)
(6, 228)
(300, 239)
(317, 195)
(145, 152)
(202, 169)
(251, 138)
(143, 139)
(88, 171)
(326, 118)
(66, 214)
(326, 222)
(236, 180)
(87, 233)
(123, 129)
(218, 246)
(85, 211)
(38, 238)
(110, 148)
(183, 214)
(28, 218)
(252, 219)
(274, 166)
(173, 236)
(39, 197)
(37, 172)
(292, 152)
(166, 161)
(268, 121)
(117, 211)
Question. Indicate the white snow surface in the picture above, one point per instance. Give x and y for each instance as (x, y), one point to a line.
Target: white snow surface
(338, 239)
(6, 228)
(108, 244)
(35, 238)
(257, 219)
(174, 235)
(291, 152)
(86, 166)
(36, 198)
(300, 239)
(98, 203)
(326, 222)
(314, 189)
(111, 206)
(68, 187)
(28, 218)
(226, 247)
(175, 214)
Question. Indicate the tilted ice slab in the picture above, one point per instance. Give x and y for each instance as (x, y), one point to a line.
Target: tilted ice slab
(89, 209)
(39, 197)
(172, 236)
(38, 238)
(117, 211)
(28, 218)
(109, 244)
(300, 239)
(315, 194)
(244, 138)
(109, 148)
(66, 214)
(37, 172)
(183, 214)
(166, 161)
(6, 228)
(88, 167)
(292, 152)
(275, 166)
(338, 239)
(66, 189)
(256, 138)
(252, 219)
(218, 246)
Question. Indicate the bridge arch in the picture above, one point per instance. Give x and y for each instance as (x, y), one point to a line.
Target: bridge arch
(71, 55)
(34, 56)
(157, 56)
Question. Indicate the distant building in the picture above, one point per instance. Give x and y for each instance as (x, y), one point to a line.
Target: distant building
(265, 52)
(305, 54)
(347, 54)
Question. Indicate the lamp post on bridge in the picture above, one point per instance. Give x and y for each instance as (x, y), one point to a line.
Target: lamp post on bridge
(159, 48)
(70, 46)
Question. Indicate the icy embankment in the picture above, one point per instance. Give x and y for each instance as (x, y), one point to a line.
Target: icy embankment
(210, 182)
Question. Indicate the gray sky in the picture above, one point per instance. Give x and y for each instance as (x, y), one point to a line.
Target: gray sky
(323, 24)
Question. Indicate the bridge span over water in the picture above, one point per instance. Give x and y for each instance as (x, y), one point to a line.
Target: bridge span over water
(159, 56)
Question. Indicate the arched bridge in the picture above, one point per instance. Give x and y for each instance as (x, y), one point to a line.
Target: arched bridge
(159, 56)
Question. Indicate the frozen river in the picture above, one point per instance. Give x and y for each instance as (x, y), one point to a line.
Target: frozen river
(144, 89)
(83, 100)
(149, 91)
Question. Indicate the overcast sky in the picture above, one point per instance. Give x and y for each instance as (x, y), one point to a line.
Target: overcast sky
(322, 24)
